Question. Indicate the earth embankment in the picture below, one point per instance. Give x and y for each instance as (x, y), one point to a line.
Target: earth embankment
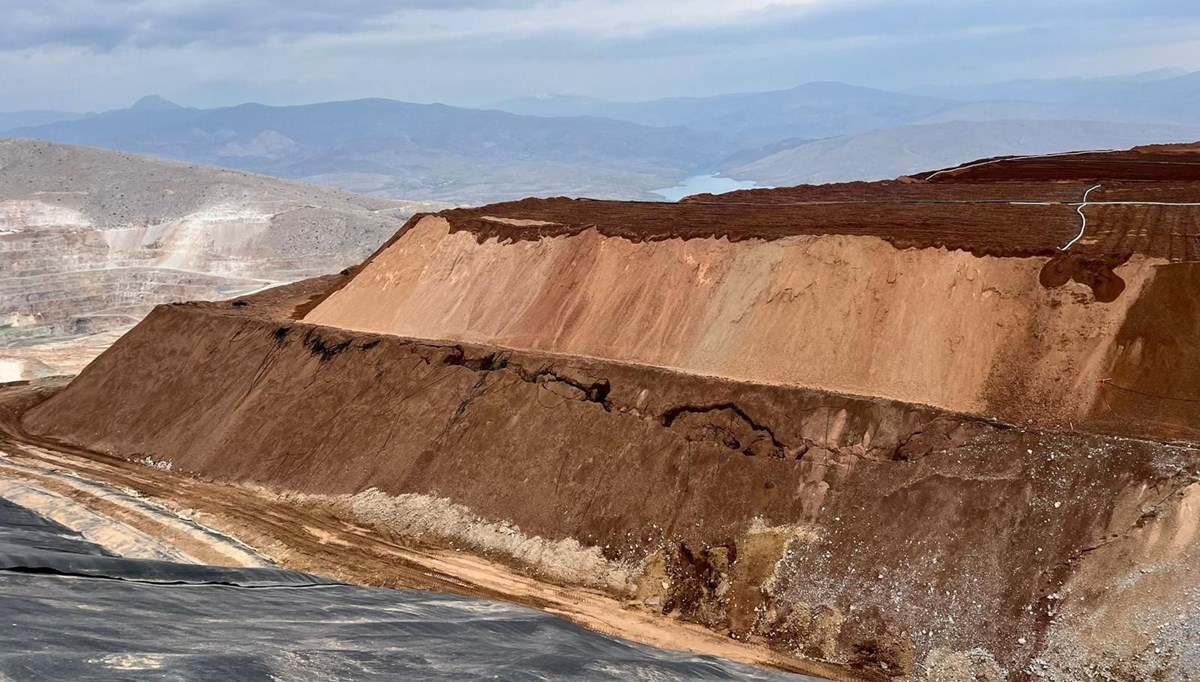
(1017, 338)
(853, 530)
(908, 433)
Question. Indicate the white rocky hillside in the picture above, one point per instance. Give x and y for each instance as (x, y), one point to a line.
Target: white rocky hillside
(91, 240)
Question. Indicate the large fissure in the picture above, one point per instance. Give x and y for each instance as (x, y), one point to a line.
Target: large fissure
(728, 424)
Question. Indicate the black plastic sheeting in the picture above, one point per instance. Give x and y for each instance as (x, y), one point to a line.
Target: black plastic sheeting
(70, 610)
(30, 543)
(22, 530)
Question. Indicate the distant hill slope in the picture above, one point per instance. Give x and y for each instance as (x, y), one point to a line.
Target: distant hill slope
(91, 239)
(407, 150)
(812, 110)
(571, 145)
(1154, 97)
(822, 110)
(885, 154)
(23, 119)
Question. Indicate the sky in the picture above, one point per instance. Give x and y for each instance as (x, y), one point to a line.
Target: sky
(90, 55)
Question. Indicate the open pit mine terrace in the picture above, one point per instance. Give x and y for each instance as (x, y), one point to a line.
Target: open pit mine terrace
(894, 427)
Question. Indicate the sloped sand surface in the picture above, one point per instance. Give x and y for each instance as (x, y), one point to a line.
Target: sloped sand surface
(848, 314)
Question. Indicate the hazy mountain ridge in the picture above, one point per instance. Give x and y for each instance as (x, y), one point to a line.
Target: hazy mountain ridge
(575, 145)
(890, 153)
(1168, 95)
(35, 117)
(1155, 97)
(416, 151)
(810, 110)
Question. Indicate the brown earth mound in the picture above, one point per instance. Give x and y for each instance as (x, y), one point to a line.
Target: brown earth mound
(791, 422)
(860, 531)
(1152, 163)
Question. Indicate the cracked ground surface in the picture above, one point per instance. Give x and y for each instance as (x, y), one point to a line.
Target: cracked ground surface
(899, 433)
(989, 529)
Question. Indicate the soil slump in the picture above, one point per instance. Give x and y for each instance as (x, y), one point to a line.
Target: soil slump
(848, 314)
(867, 494)
(1098, 274)
(1152, 380)
(809, 424)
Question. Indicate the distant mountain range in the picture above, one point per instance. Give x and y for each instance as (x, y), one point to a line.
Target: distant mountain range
(25, 119)
(397, 149)
(813, 110)
(905, 150)
(819, 110)
(581, 146)
(1159, 96)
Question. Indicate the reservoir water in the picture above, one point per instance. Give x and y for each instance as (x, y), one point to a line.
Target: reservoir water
(703, 184)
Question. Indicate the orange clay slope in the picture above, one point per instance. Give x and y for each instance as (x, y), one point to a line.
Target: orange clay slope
(950, 292)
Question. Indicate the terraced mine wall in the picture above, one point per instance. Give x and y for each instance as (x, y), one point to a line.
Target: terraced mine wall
(1028, 340)
(91, 240)
(898, 539)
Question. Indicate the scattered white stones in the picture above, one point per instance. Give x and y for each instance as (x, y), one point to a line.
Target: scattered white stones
(162, 465)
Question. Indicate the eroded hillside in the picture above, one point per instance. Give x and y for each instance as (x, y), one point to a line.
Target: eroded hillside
(951, 292)
(894, 427)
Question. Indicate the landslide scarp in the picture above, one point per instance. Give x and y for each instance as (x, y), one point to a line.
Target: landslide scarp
(950, 291)
(896, 427)
(856, 530)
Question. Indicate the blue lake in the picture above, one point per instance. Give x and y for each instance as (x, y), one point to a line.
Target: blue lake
(703, 184)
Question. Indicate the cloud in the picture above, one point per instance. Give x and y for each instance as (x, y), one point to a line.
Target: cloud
(607, 19)
(105, 53)
(102, 25)
(109, 24)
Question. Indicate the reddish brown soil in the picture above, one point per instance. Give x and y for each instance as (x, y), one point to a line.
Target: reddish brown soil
(911, 529)
(1024, 230)
(948, 189)
(1157, 163)
(1017, 207)
(632, 459)
(1155, 381)
(1097, 273)
(311, 538)
(679, 422)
